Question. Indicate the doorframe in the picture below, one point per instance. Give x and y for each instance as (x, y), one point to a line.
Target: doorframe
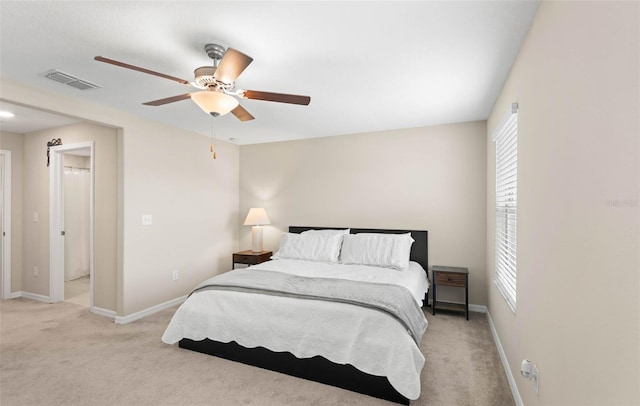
(56, 216)
(6, 225)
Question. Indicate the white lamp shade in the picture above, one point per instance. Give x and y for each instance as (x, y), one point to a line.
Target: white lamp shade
(256, 217)
(214, 103)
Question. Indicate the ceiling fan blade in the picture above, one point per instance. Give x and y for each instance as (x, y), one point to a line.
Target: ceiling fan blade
(233, 63)
(139, 69)
(242, 114)
(276, 97)
(168, 100)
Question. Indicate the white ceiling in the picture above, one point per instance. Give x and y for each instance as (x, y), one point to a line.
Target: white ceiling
(368, 66)
(28, 120)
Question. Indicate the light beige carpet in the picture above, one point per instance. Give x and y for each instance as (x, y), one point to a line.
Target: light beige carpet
(61, 354)
(77, 291)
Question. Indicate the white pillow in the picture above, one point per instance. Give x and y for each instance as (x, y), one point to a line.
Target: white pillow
(327, 231)
(386, 250)
(321, 247)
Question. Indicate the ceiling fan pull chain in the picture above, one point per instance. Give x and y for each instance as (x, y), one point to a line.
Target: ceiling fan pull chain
(215, 154)
(211, 136)
(212, 147)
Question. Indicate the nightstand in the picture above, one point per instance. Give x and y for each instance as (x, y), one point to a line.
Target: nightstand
(249, 257)
(451, 276)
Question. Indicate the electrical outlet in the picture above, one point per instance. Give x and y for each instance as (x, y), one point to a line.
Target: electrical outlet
(35, 271)
(36, 218)
(147, 219)
(530, 371)
(175, 276)
(536, 378)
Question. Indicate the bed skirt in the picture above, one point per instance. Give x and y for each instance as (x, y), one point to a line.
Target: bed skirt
(317, 369)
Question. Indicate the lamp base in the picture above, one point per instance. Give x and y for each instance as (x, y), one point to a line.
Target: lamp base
(256, 239)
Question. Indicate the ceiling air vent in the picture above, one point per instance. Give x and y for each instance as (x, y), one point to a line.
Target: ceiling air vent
(70, 80)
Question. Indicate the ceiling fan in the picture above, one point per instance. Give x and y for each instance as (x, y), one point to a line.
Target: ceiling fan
(216, 84)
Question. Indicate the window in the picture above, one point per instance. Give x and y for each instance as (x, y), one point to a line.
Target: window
(506, 138)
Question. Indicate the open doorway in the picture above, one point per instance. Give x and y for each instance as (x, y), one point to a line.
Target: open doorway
(77, 196)
(72, 223)
(5, 224)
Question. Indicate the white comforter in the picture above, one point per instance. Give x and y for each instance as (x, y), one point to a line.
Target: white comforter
(368, 339)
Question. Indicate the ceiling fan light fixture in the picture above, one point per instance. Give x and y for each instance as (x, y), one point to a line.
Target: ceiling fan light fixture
(214, 103)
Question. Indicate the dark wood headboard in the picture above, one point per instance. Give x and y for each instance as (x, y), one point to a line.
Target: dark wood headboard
(419, 249)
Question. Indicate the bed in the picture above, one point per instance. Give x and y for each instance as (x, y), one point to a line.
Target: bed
(269, 336)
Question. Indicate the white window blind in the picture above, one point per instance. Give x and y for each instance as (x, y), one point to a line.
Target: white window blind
(505, 137)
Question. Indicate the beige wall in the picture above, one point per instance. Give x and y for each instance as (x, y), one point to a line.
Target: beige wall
(430, 178)
(36, 200)
(194, 203)
(576, 80)
(168, 173)
(14, 143)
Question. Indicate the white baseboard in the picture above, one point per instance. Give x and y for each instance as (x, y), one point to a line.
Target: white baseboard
(15, 295)
(505, 363)
(32, 296)
(149, 311)
(41, 298)
(103, 312)
(477, 308)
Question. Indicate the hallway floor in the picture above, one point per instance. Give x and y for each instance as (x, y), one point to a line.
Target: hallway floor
(77, 291)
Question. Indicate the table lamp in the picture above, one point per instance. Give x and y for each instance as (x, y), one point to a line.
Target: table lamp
(256, 218)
